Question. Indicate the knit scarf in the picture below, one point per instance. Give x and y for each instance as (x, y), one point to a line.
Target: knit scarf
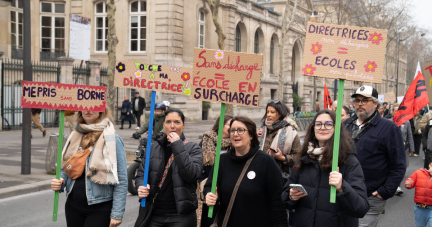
(103, 160)
(284, 137)
(315, 153)
(209, 147)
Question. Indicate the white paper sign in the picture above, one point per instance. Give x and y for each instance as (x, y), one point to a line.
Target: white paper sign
(400, 98)
(381, 98)
(79, 42)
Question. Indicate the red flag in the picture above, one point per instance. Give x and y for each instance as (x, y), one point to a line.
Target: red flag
(327, 100)
(415, 99)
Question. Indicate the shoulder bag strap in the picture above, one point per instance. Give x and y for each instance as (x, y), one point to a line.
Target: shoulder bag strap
(231, 203)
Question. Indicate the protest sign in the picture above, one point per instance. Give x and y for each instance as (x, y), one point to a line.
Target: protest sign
(427, 73)
(344, 52)
(226, 77)
(63, 96)
(389, 96)
(80, 37)
(153, 77)
(381, 98)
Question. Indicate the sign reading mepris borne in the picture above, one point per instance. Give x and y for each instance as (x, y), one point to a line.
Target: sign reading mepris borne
(344, 52)
(63, 96)
(153, 77)
(226, 77)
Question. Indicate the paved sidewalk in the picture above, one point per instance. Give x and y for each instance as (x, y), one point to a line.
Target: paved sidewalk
(13, 183)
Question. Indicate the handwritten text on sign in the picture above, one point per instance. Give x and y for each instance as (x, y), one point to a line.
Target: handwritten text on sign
(226, 77)
(344, 52)
(137, 75)
(427, 72)
(63, 96)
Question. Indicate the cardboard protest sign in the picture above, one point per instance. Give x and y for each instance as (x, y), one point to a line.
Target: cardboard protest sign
(344, 52)
(226, 77)
(389, 97)
(427, 73)
(381, 98)
(154, 77)
(63, 96)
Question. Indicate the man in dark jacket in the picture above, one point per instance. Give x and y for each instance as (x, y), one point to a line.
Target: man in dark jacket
(380, 150)
(424, 141)
(138, 105)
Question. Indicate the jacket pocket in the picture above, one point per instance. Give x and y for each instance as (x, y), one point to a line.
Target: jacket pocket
(370, 144)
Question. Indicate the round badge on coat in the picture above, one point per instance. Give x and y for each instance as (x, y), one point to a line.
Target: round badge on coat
(251, 175)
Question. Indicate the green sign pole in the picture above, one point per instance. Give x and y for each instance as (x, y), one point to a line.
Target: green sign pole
(338, 126)
(59, 155)
(217, 158)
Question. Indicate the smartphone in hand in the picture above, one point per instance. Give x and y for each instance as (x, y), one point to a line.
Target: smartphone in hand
(298, 187)
(275, 151)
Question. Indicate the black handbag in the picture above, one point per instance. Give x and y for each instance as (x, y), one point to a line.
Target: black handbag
(145, 213)
(124, 110)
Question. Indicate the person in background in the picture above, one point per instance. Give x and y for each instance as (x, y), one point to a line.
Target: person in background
(258, 200)
(70, 118)
(97, 197)
(35, 117)
(278, 136)
(126, 113)
(208, 145)
(158, 119)
(420, 180)
(417, 135)
(317, 106)
(427, 144)
(352, 110)
(313, 172)
(386, 109)
(381, 111)
(345, 113)
(380, 150)
(334, 106)
(138, 105)
(175, 166)
(167, 104)
(425, 119)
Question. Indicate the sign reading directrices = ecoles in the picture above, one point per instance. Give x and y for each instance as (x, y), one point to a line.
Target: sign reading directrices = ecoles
(226, 77)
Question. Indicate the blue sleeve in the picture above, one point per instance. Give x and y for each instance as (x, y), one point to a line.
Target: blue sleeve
(129, 106)
(120, 190)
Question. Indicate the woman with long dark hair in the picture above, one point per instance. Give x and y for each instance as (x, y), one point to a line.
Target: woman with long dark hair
(313, 172)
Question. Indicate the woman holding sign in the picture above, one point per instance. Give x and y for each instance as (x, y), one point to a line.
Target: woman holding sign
(308, 188)
(94, 172)
(175, 165)
(278, 136)
(249, 176)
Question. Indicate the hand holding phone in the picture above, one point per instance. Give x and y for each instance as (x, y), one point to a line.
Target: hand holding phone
(297, 191)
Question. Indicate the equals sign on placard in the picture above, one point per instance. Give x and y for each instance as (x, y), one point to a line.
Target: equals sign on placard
(343, 50)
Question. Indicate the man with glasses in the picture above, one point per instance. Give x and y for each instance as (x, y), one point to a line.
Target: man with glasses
(380, 150)
(159, 117)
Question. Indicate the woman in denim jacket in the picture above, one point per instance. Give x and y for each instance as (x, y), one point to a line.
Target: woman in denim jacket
(98, 196)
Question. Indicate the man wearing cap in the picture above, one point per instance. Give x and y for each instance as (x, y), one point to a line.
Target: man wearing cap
(138, 105)
(167, 104)
(159, 117)
(380, 151)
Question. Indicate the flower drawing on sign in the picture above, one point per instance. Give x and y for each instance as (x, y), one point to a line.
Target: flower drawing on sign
(308, 70)
(375, 38)
(187, 91)
(316, 48)
(219, 55)
(138, 74)
(370, 66)
(185, 77)
(121, 67)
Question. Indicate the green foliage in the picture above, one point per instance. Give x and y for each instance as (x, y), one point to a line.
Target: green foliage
(206, 105)
(297, 100)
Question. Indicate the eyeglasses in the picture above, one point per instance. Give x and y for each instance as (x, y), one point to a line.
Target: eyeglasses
(274, 101)
(363, 101)
(240, 131)
(171, 122)
(327, 125)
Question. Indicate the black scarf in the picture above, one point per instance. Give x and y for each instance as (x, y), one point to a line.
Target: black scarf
(356, 132)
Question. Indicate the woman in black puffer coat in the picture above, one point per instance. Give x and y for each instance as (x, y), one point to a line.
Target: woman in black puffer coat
(313, 172)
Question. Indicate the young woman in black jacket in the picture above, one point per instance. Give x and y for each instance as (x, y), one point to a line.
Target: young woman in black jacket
(313, 172)
(258, 201)
(175, 184)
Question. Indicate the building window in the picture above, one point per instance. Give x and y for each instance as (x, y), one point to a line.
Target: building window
(101, 32)
(52, 30)
(271, 56)
(17, 28)
(256, 43)
(201, 29)
(137, 34)
(237, 45)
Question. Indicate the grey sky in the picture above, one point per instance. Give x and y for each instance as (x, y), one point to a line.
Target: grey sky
(422, 14)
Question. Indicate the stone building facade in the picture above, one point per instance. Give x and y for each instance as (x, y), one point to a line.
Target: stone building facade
(166, 32)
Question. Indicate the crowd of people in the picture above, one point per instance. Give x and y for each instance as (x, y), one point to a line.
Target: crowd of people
(266, 175)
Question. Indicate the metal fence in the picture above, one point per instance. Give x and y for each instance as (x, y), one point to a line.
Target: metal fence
(11, 82)
(81, 74)
(103, 76)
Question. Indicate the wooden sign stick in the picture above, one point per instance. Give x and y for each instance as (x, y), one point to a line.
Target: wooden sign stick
(338, 125)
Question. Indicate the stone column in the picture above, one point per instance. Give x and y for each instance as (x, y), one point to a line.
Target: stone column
(66, 67)
(94, 66)
(1, 87)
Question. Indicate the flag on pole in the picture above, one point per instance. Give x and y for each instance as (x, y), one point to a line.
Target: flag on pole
(417, 70)
(415, 99)
(327, 100)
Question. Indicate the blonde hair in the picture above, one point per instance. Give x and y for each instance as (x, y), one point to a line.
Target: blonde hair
(89, 139)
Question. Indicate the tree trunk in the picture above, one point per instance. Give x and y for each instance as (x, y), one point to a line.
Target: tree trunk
(112, 44)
